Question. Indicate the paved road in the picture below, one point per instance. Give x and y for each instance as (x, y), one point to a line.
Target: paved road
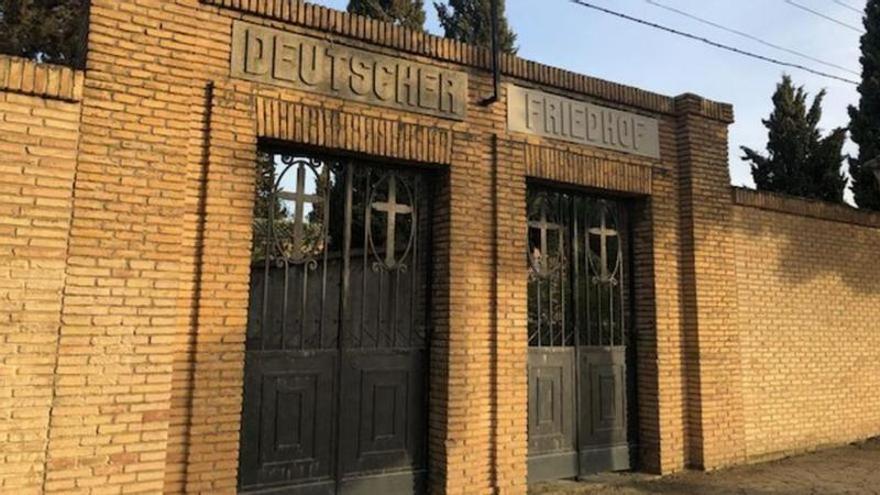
(854, 469)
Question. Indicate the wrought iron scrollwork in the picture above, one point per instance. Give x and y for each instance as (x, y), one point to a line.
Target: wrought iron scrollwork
(576, 270)
(393, 200)
(340, 254)
(604, 246)
(293, 226)
(546, 239)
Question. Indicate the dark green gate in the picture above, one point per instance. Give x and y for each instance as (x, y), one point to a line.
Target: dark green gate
(335, 393)
(578, 335)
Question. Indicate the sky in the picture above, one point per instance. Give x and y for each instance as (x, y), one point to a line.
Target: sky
(563, 34)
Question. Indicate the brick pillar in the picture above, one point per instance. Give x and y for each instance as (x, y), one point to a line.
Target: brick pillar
(484, 397)
(712, 354)
(468, 418)
(655, 227)
(211, 387)
(510, 343)
(110, 411)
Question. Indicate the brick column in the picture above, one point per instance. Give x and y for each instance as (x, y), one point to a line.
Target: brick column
(510, 346)
(110, 412)
(468, 417)
(712, 354)
(485, 390)
(658, 305)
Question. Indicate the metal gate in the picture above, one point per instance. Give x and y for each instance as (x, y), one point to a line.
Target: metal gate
(335, 393)
(577, 336)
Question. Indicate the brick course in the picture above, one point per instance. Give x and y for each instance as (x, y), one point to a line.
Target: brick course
(127, 225)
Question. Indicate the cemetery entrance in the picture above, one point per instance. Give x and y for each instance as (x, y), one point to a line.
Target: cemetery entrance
(578, 335)
(335, 394)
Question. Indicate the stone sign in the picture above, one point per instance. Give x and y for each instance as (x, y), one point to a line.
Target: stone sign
(277, 57)
(536, 112)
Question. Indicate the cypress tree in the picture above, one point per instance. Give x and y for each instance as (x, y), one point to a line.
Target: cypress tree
(51, 31)
(406, 13)
(470, 21)
(864, 124)
(800, 162)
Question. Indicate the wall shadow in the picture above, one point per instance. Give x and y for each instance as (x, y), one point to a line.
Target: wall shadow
(812, 239)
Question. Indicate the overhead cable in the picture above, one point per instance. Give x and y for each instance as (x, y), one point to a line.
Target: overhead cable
(848, 6)
(715, 44)
(826, 17)
(750, 37)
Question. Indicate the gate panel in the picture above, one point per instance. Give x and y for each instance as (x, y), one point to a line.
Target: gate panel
(291, 441)
(603, 438)
(552, 441)
(382, 423)
(335, 398)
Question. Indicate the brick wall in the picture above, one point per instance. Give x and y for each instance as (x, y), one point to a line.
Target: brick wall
(39, 122)
(131, 282)
(808, 310)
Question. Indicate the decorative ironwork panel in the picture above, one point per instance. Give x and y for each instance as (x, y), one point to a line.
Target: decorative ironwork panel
(576, 270)
(294, 255)
(335, 376)
(549, 291)
(602, 279)
(306, 273)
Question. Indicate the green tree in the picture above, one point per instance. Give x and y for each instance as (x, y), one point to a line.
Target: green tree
(470, 21)
(799, 161)
(406, 13)
(864, 124)
(50, 31)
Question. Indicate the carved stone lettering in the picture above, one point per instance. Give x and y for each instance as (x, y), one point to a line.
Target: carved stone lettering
(536, 112)
(285, 59)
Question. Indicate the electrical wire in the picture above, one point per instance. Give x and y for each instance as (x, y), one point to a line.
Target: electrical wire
(715, 44)
(848, 6)
(750, 37)
(823, 16)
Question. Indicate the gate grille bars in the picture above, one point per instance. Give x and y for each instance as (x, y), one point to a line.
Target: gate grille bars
(576, 274)
(315, 284)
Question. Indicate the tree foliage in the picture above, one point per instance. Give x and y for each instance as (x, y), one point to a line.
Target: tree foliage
(799, 161)
(406, 13)
(50, 31)
(864, 124)
(470, 21)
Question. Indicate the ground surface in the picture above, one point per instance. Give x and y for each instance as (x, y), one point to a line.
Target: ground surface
(854, 469)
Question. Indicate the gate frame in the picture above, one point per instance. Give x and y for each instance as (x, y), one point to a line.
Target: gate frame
(459, 332)
(433, 152)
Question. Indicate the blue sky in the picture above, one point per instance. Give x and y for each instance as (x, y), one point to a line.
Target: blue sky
(563, 34)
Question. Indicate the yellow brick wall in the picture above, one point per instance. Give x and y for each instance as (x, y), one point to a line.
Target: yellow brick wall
(146, 392)
(808, 295)
(39, 122)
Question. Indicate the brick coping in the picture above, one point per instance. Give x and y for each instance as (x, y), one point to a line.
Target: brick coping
(54, 82)
(299, 12)
(804, 207)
